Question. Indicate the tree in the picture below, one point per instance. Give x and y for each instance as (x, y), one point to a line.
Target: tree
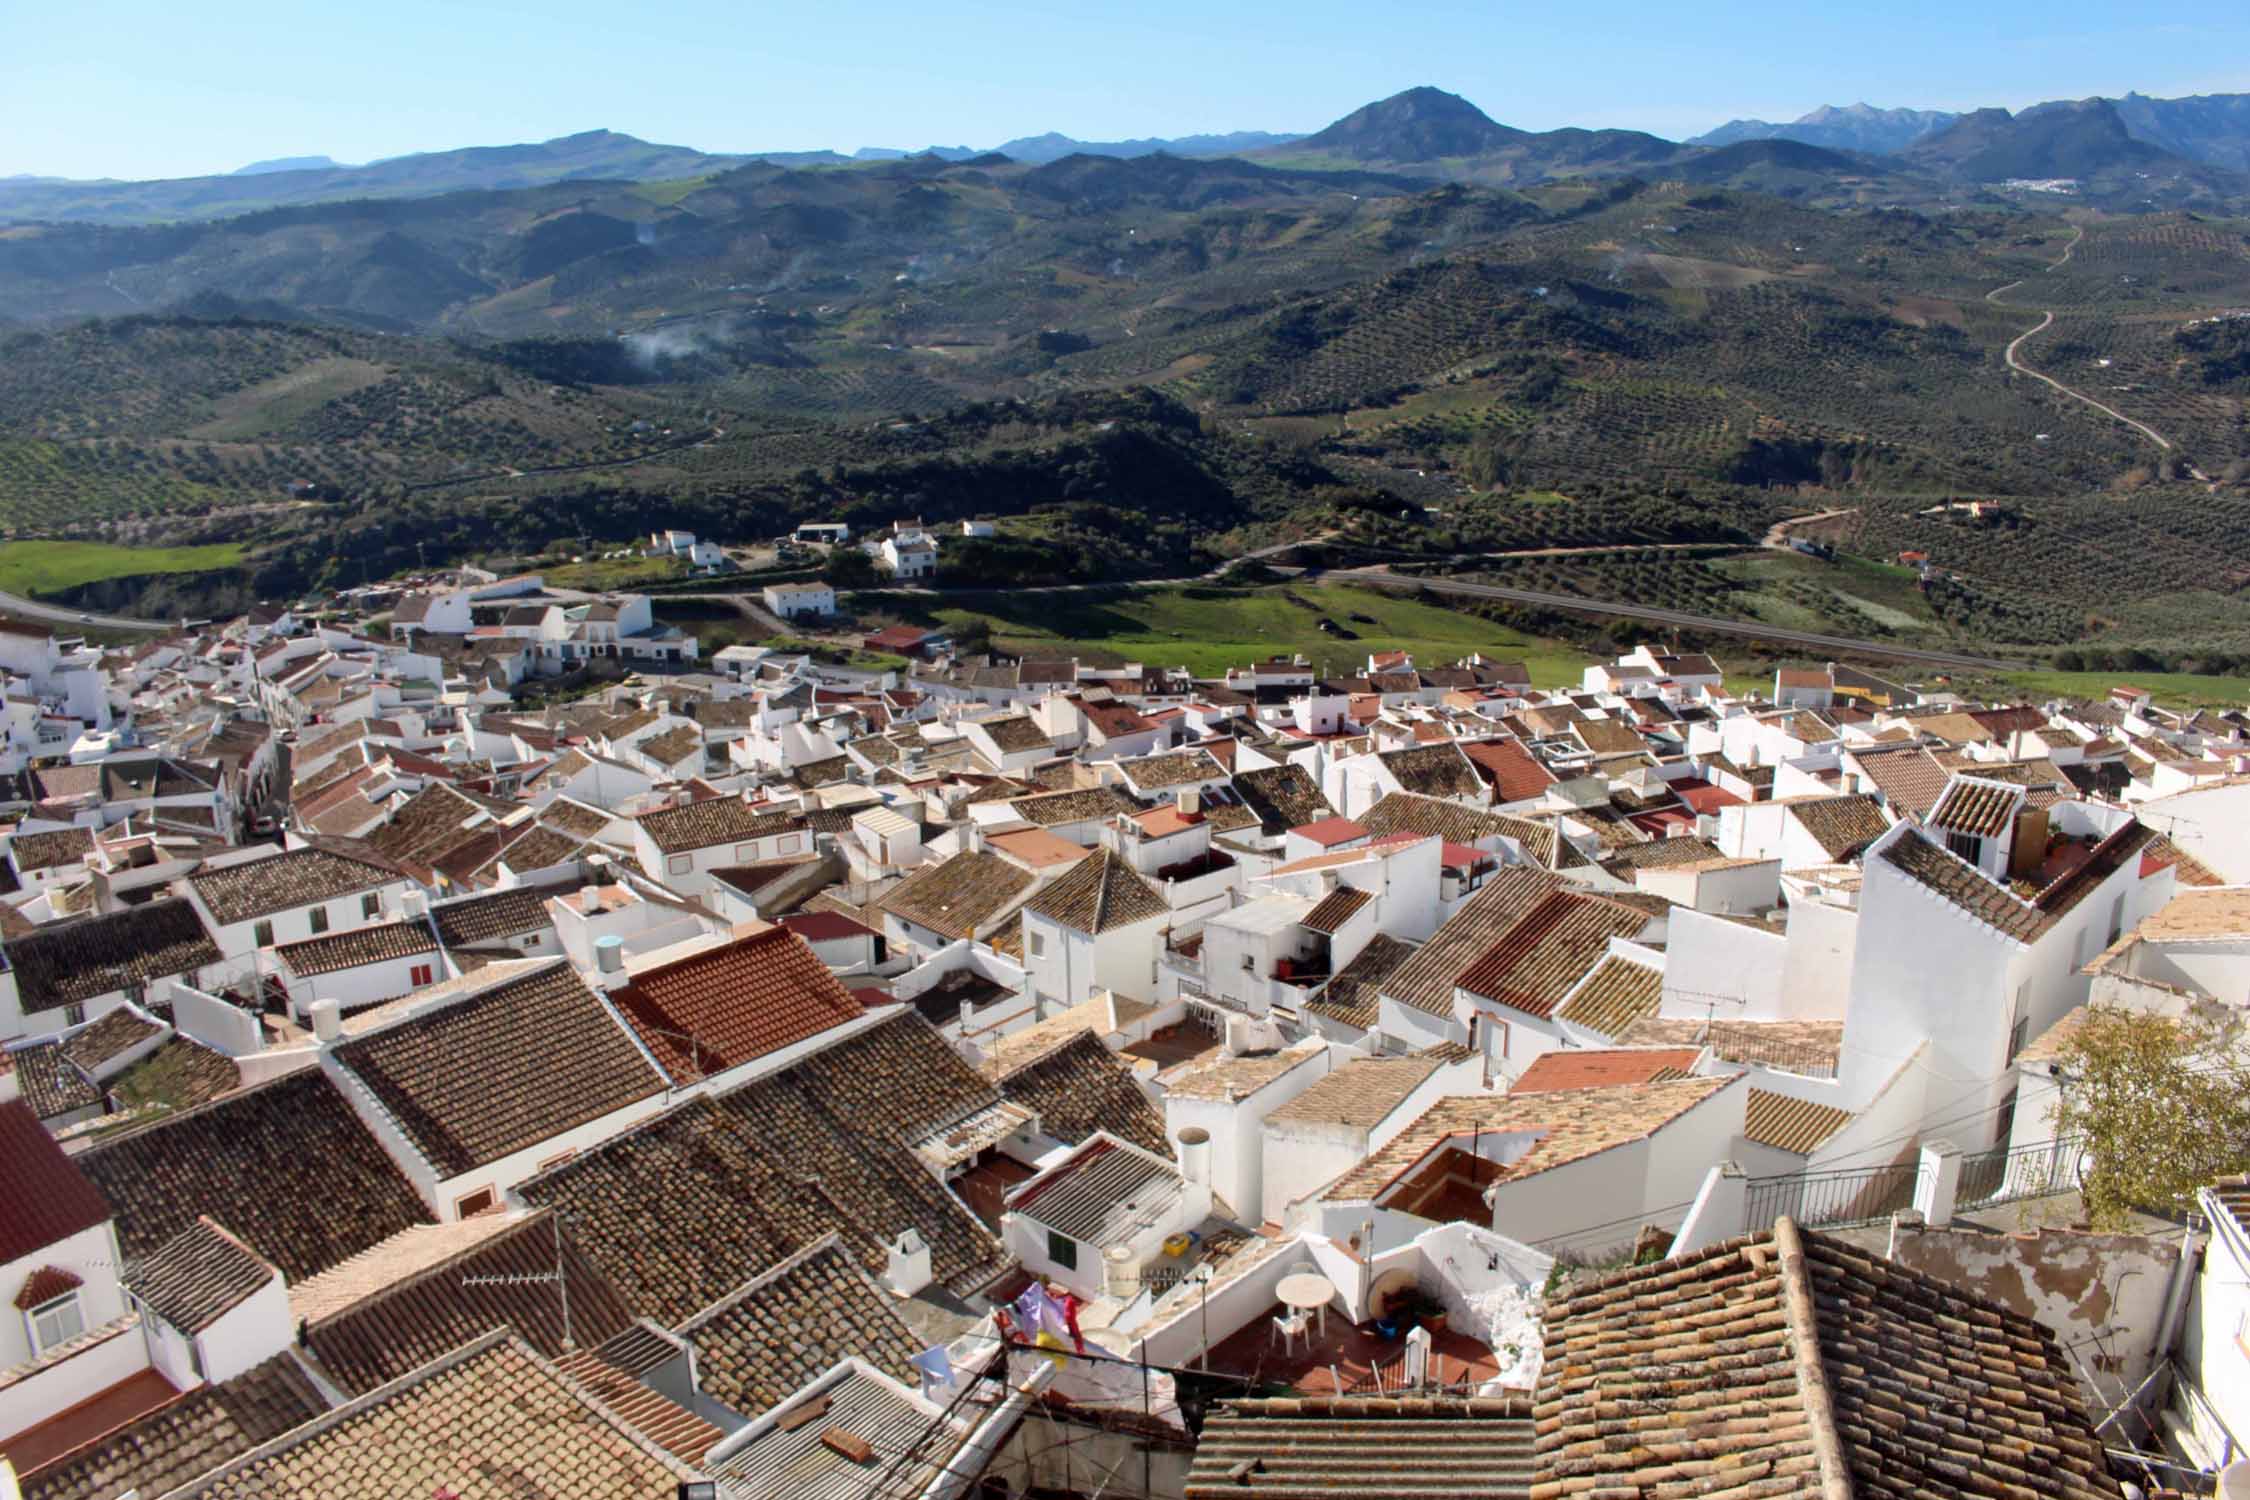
(2163, 1105)
(849, 568)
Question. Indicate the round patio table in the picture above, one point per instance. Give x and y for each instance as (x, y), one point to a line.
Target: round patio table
(1308, 1291)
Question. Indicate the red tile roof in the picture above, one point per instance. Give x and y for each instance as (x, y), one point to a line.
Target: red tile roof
(1330, 832)
(45, 1285)
(1600, 1068)
(43, 1197)
(726, 1005)
(824, 926)
(1512, 771)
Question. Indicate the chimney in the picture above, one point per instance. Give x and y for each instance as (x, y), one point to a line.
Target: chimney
(327, 1022)
(972, 837)
(1195, 1155)
(609, 954)
(1121, 1278)
(414, 905)
(907, 1267)
(1191, 802)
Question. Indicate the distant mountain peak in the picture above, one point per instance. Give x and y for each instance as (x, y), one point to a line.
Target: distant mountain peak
(286, 164)
(1419, 124)
(1849, 127)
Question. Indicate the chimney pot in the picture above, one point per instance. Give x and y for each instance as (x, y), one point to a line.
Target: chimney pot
(609, 954)
(327, 1021)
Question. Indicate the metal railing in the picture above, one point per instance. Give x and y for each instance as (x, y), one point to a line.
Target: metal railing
(1854, 1195)
(2002, 1175)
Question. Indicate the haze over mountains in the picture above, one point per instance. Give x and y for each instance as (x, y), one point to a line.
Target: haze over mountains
(2133, 154)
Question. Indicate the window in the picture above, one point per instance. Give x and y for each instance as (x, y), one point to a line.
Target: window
(318, 917)
(371, 905)
(1038, 944)
(420, 975)
(56, 1322)
(483, 1201)
(262, 934)
(2117, 918)
(1967, 845)
(786, 844)
(74, 1014)
(1062, 1250)
(678, 864)
(746, 854)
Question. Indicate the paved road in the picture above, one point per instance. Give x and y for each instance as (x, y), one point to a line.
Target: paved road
(1616, 607)
(32, 609)
(2046, 321)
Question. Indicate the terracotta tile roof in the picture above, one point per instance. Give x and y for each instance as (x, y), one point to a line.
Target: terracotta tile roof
(1963, 886)
(50, 1082)
(1361, 1093)
(1616, 994)
(685, 1208)
(179, 1075)
(1547, 951)
(1427, 980)
(501, 1068)
(727, 1004)
(67, 962)
(1097, 895)
(394, 1328)
(491, 1408)
(1081, 1087)
(1514, 773)
(1354, 996)
(672, 1427)
(969, 892)
(2189, 870)
(1335, 909)
(1842, 826)
(1086, 804)
(259, 887)
(786, 1328)
(1013, 732)
(336, 951)
(426, 826)
(43, 851)
(1704, 1362)
(1406, 812)
(45, 1285)
(1155, 773)
(1283, 797)
(155, 1453)
(1970, 805)
(117, 1032)
(1789, 1124)
(1577, 1123)
(1363, 1447)
(1660, 854)
(286, 1166)
(483, 919)
(1435, 771)
(1603, 1067)
(1909, 777)
(1784, 1043)
(714, 820)
(198, 1276)
(1231, 1079)
(44, 1197)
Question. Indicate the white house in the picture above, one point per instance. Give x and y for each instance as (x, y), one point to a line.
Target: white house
(274, 896)
(793, 601)
(682, 845)
(1096, 1219)
(1099, 926)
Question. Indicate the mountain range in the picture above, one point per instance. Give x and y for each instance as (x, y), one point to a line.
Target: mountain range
(2127, 154)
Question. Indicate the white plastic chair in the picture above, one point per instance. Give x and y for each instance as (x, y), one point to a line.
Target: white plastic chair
(1293, 1328)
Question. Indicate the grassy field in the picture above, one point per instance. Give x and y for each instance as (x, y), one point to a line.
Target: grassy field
(1208, 630)
(2172, 689)
(45, 567)
(620, 573)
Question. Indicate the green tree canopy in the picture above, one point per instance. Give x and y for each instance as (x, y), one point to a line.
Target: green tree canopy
(2163, 1103)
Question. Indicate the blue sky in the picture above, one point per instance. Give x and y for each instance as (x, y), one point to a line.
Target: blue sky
(155, 88)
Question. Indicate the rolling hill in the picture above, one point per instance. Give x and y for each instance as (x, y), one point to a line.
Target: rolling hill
(1855, 127)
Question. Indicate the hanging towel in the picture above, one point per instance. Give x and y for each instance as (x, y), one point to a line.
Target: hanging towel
(936, 1368)
(1031, 1309)
(1070, 1306)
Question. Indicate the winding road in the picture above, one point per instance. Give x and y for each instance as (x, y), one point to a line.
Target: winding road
(2046, 321)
